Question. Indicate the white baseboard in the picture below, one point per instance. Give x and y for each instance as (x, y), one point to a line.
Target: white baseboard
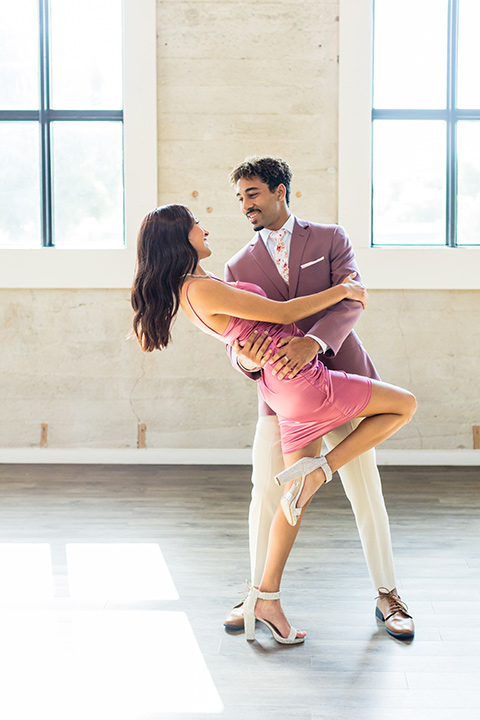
(126, 456)
(428, 457)
(209, 456)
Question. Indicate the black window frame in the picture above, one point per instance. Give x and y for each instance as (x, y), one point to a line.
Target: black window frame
(45, 116)
(451, 114)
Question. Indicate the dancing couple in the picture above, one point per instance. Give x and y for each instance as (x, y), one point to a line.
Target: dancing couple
(286, 312)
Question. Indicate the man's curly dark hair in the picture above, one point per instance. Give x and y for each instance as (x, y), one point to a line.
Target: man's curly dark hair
(272, 171)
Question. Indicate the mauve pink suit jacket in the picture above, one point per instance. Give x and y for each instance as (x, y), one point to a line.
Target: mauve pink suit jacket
(320, 256)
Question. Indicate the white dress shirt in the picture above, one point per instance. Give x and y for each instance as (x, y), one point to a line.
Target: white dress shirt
(270, 245)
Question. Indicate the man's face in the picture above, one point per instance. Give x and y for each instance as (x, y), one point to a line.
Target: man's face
(264, 209)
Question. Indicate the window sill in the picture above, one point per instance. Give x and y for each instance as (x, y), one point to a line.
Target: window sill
(410, 268)
(67, 268)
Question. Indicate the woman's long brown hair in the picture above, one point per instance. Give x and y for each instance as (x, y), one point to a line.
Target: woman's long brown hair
(164, 256)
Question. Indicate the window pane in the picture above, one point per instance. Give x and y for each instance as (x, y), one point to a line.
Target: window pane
(88, 184)
(468, 55)
(409, 182)
(19, 185)
(410, 54)
(19, 55)
(86, 55)
(468, 224)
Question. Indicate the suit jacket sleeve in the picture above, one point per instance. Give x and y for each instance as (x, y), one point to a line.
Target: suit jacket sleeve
(231, 354)
(337, 322)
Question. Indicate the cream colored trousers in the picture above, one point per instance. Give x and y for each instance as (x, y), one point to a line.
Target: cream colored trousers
(362, 485)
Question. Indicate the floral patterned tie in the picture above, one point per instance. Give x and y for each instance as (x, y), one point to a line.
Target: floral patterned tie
(281, 256)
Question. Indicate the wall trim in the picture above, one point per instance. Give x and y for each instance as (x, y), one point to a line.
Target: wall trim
(209, 456)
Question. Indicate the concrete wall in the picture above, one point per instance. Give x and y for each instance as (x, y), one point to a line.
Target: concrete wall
(234, 79)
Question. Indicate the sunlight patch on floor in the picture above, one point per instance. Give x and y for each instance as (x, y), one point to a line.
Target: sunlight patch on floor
(118, 571)
(26, 571)
(126, 665)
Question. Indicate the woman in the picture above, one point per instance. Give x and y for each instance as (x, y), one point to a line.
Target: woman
(171, 246)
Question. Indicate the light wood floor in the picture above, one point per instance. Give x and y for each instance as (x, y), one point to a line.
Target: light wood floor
(116, 580)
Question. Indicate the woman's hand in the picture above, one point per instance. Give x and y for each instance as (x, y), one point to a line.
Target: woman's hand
(355, 290)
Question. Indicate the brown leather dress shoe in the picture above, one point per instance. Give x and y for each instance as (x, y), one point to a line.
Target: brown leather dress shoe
(234, 620)
(393, 612)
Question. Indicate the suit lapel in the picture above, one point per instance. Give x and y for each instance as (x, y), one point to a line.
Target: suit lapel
(300, 234)
(261, 255)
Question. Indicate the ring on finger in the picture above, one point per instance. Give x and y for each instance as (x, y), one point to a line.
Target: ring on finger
(286, 359)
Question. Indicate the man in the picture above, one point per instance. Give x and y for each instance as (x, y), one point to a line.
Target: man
(299, 259)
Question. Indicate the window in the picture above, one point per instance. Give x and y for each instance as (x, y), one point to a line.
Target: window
(93, 229)
(393, 266)
(61, 135)
(426, 123)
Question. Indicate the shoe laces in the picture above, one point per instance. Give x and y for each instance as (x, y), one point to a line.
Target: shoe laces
(245, 592)
(394, 602)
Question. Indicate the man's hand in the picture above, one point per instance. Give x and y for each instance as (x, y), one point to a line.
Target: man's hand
(295, 353)
(254, 354)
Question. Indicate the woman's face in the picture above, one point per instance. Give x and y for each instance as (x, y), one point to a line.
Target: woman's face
(198, 239)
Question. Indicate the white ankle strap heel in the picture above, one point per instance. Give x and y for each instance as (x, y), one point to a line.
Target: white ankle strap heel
(249, 618)
(302, 467)
(298, 472)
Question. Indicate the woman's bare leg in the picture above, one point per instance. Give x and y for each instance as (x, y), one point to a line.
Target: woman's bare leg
(280, 542)
(390, 408)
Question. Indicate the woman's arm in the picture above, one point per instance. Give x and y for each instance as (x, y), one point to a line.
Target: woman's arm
(217, 298)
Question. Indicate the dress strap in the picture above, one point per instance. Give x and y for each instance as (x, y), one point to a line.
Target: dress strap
(214, 332)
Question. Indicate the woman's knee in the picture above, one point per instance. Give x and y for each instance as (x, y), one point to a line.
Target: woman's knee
(413, 405)
(409, 405)
(388, 398)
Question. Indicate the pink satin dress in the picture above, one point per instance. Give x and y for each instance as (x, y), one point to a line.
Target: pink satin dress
(312, 403)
